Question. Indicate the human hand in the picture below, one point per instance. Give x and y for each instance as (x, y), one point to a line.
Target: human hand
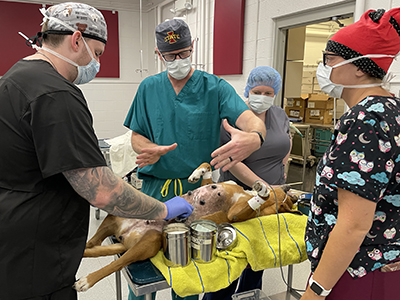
(178, 207)
(241, 145)
(150, 156)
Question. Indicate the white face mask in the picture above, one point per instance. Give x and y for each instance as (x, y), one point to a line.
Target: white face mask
(260, 103)
(179, 68)
(335, 90)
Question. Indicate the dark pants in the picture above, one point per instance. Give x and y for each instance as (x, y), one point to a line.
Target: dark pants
(375, 285)
(67, 293)
(249, 280)
(153, 296)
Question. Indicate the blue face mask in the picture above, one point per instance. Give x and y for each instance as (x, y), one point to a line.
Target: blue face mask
(85, 73)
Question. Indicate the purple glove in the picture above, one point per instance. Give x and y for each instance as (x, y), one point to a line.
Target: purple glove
(178, 207)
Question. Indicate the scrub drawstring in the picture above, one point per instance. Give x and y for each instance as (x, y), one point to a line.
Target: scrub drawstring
(164, 190)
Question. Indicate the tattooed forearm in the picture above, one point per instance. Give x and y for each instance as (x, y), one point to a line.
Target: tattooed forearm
(103, 189)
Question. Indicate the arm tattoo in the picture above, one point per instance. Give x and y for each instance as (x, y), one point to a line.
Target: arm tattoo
(103, 189)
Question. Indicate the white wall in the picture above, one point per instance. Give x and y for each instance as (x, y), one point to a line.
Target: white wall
(110, 99)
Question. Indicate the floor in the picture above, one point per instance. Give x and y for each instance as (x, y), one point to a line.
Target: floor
(273, 279)
(295, 175)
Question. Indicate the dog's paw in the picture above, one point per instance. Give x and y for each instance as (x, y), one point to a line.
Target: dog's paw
(195, 176)
(82, 284)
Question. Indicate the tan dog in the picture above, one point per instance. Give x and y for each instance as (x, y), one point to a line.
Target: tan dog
(142, 239)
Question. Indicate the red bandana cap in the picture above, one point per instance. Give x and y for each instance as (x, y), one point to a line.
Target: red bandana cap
(377, 32)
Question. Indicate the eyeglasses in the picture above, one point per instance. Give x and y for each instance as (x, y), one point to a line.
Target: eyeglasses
(182, 55)
(325, 57)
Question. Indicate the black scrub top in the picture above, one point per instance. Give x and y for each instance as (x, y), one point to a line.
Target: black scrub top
(46, 129)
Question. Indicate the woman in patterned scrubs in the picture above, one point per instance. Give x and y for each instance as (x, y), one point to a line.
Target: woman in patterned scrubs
(352, 235)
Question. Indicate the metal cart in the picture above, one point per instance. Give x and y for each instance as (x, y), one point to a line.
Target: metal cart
(301, 151)
(321, 138)
(146, 289)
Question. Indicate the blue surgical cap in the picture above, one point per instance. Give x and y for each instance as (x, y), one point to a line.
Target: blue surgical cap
(263, 76)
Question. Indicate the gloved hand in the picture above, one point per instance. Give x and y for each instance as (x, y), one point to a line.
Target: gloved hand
(178, 206)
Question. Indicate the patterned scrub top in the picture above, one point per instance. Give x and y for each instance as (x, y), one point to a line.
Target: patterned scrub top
(363, 158)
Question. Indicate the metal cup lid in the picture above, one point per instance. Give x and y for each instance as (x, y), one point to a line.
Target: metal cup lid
(226, 236)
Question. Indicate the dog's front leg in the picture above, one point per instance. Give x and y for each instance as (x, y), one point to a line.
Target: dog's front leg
(205, 171)
(147, 247)
(249, 207)
(104, 250)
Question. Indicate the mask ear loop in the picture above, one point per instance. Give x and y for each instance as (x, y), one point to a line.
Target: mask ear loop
(347, 61)
(389, 77)
(387, 80)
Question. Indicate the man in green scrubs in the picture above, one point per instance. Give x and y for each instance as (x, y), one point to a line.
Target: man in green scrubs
(176, 115)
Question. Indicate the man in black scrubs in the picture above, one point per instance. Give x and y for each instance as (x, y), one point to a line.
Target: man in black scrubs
(51, 166)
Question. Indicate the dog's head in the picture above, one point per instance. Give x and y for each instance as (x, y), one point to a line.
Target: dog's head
(263, 204)
(232, 200)
(212, 198)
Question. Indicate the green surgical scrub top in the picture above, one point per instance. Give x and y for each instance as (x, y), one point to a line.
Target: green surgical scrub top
(191, 119)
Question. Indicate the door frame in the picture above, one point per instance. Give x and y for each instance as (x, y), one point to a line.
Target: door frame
(299, 19)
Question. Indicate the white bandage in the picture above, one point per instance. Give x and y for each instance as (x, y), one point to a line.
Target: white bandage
(264, 191)
(256, 202)
(207, 175)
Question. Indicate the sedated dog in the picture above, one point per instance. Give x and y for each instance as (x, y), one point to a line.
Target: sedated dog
(219, 202)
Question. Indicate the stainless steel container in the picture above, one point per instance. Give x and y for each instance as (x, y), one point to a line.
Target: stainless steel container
(203, 240)
(176, 244)
(226, 236)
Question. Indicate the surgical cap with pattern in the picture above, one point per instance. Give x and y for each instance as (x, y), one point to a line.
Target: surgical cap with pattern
(79, 16)
(263, 75)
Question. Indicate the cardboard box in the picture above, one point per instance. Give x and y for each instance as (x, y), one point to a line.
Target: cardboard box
(320, 101)
(299, 102)
(318, 116)
(295, 113)
(295, 107)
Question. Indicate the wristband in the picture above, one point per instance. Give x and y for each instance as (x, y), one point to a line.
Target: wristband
(317, 288)
(261, 137)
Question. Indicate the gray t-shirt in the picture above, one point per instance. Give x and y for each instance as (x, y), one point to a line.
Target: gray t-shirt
(266, 162)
